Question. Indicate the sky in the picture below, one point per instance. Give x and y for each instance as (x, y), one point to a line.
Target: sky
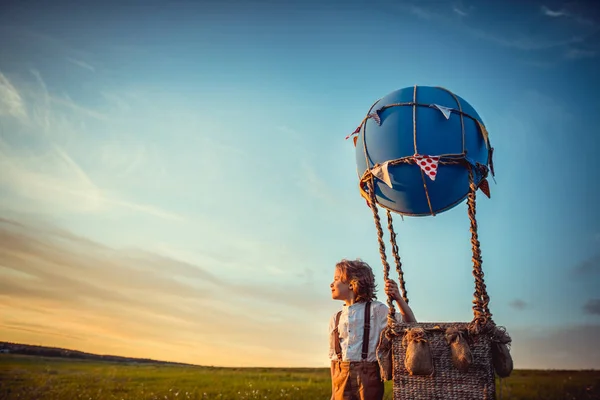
(175, 183)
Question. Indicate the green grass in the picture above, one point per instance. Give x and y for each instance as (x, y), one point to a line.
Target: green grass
(42, 378)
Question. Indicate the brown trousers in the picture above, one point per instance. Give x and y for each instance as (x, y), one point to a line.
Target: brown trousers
(356, 380)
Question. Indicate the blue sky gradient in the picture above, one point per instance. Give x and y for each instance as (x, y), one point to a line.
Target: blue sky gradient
(191, 156)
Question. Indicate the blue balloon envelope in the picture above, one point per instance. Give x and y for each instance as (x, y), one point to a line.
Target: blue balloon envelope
(418, 142)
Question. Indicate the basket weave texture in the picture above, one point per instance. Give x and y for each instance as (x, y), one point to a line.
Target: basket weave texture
(446, 382)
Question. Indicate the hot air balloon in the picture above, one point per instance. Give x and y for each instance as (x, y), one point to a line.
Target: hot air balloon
(421, 151)
(419, 143)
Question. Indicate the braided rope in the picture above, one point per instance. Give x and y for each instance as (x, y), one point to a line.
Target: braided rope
(386, 266)
(460, 112)
(481, 312)
(397, 257)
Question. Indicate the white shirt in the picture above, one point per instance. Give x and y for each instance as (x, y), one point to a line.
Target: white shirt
(351, 330)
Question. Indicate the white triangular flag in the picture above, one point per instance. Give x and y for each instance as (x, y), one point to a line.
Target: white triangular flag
(445, 110)
(381, 172)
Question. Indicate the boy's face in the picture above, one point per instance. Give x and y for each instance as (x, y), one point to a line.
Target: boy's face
(340, 290)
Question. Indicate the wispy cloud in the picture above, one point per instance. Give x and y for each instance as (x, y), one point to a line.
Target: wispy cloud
(525, 42)
(553, 14)
(573, 12)
(37, 164)
(82, 64)
(59, 184)
(592, 307)
(459, 11)
(92, 296)
(549, 36)
(589, 266)
(315, 185)
(421, 12)
(570, 347)
(11, 102)
(575, 54)
(518, 304)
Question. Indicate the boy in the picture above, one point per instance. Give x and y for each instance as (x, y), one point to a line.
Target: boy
(354, 367)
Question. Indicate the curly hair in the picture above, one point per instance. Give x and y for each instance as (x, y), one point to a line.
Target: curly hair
(360, 275)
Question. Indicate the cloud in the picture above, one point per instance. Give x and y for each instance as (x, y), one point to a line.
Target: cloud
(44, 44)
(49, 100)
(569, 347)
(82, 64)
(11, 102)
(314, 184)
(553, 14)
(91, 296)
(573, 12)
(459, 11)
(589, 266)
(575, 54)
(421, 12)
(518, 304)
(525, 42)
(592, 307)
(40, 172)
(501, 30)
(60, 183)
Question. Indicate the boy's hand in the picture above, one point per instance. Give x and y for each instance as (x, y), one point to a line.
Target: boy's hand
(391, 289)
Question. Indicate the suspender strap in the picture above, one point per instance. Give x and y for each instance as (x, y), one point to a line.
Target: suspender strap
(367, 330)
(336, 335)
(365, 347)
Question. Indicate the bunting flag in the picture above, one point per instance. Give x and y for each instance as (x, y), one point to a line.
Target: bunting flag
(484, 186)
(445, 110)
(491, 160)
(355, 139)
(375, 116)
(481, 170)
(429, 164)
(354, 133)
(381, 172)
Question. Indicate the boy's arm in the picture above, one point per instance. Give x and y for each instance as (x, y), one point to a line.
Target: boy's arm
(405, 310)
(391, 288)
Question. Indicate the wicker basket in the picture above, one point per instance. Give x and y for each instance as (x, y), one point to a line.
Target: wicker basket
(447, 381)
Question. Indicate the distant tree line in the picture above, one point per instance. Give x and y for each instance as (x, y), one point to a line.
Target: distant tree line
(44, 351)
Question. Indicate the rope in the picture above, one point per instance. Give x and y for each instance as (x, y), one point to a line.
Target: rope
(415, 119)
(481, 300)
(397, 257)
(372, 200)
(416, 151)
(386, 266)
(460, 111)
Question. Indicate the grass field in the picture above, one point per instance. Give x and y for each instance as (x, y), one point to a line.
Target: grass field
(40, 378)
